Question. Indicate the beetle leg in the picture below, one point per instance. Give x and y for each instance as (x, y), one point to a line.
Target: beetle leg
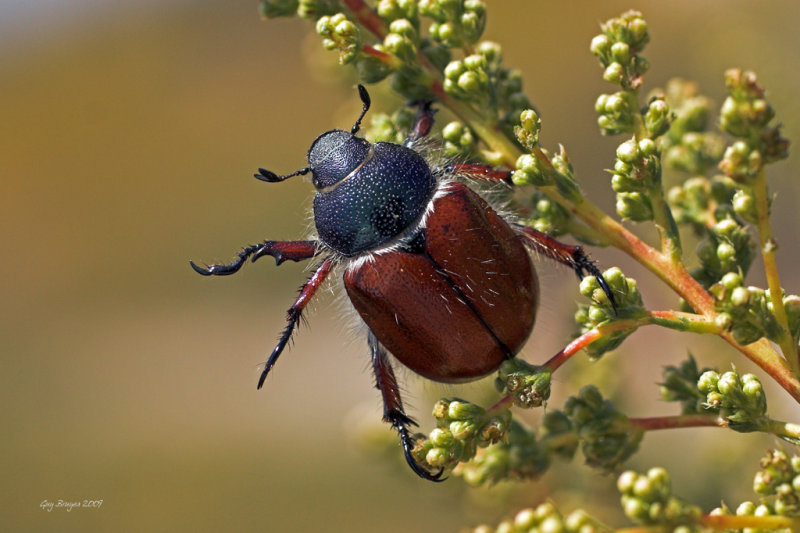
(307, 292)
(572, 256)
(422, 123)
(393, 406)
(477, 172)
(280, 250)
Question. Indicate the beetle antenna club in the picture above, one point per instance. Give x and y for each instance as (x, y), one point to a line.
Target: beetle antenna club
(365, 99)
(271, 177)
(427, 297)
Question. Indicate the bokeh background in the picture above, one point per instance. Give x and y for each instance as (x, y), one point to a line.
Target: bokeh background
(129, 133)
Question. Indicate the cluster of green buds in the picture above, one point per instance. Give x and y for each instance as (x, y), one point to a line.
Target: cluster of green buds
(522, 456)
(746, 311)
(618, 49)
(468, 79)
(459, 142)
(615, 113)
(545, 519)
(628, 305)
(607, 438)
(548, 216)
(391, 128)
(700, 202)
(687, 145)
(340, 33)
(637, 175)
(727, 250)
(680, 385)
(746, 114)
(462, 428)
(740, 400)
(778, 484)
(456, 23)
(543, 169)
(779, 477)
(647, 499)
(528, 384)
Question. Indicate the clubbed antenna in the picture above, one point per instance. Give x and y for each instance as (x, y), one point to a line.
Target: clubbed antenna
(364, 95)
(271, 177)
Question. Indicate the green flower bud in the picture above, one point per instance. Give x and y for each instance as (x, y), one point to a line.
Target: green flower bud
(740, 297)
(708, 381)
(458, 410)
(628, 152)
(731, 280)
(746, 509)
(462, 429)
(635, 509)
(621, 52)
(614, 73)
(723, 321)
(400, 46)
(729, 383)
(437, 457)
(634, 206)
(647, 147)
(470, 81)
(600, 46)
(442, 438)
(657, 118)
(525, 519)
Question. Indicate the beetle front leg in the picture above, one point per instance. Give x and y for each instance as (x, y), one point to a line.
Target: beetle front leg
(566, 254)
(393, 412)
(280, 250)
(307, 292)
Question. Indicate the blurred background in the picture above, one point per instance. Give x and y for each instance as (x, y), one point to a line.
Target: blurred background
(130, 131)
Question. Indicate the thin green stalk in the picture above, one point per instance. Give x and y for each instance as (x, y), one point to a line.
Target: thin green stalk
(768, 248)
(783, 429)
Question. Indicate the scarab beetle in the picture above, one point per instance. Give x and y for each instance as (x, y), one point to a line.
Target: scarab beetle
(441, 280)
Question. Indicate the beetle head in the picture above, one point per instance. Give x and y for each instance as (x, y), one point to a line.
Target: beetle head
(334, 155)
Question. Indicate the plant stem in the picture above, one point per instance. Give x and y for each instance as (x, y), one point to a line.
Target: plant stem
(768, 247)
(741, 522)
(678, 421)
(668, 319)
(783, 429)
(367, 17)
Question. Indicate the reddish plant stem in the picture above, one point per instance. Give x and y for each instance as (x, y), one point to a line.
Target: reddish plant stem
(367, 17)
(384, 57)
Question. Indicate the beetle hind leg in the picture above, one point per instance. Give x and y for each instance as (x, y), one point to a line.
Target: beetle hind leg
(393, 412)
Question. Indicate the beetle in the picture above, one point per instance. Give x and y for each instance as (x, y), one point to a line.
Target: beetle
(441, 280)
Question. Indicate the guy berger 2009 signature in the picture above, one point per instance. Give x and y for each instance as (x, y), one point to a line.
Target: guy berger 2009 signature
(68, 506)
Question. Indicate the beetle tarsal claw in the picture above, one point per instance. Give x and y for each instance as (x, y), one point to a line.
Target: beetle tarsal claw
(408, 444)
(203, 271)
